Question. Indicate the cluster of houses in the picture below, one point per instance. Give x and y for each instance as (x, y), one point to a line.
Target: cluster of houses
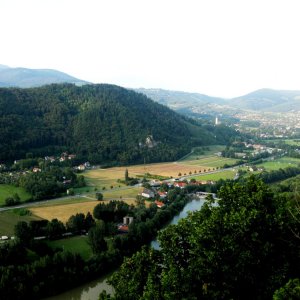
(154, 193)
(65, 157)
(62, 158)
(258, 148)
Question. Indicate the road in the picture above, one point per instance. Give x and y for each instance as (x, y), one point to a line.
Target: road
(37, 203)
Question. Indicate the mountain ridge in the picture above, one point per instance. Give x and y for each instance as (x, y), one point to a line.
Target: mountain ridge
(25, 77)
(264, 100)
(189, 103)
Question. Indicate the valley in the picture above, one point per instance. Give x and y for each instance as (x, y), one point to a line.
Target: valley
(97, 180)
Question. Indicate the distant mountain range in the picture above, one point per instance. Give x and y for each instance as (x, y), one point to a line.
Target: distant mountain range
(269, 100)
(24, 78)
(264, 100)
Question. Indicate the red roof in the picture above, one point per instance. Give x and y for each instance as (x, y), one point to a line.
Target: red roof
(123, 228)
(159, 204)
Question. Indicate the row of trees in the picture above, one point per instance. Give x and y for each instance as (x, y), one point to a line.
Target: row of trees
(54, 229)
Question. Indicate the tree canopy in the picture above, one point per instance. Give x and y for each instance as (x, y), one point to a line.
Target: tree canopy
(241, 247)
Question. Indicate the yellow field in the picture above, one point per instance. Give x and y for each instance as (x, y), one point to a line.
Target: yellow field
(109, 176)
(64, 212)
(97, 179)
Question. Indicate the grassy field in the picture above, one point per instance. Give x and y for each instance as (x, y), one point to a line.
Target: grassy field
(9, 219)
(210, 162)
(63, 212)
(8, 191)
(283, 162)
(76, 244)
(201, 152)
(124, 193)
(293, 142)
(226, 174)
(100, 178)
(66, 200)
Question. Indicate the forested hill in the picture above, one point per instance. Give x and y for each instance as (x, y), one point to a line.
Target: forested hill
(99, 123)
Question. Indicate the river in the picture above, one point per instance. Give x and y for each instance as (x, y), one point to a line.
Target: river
(92, 289)
(190, 206)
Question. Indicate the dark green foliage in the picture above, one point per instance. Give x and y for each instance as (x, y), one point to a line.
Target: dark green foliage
(55, 229)
(100, 123)
(96, 238)
(49, 183)
(15, 199)
(99, 196)
(23, 233)
(46, 276)
(242, 248)
(290, 291)
(279, 175)
(113, 211)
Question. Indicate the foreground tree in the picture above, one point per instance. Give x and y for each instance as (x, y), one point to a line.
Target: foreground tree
(242, 248)
(96, 238)
(23, 233)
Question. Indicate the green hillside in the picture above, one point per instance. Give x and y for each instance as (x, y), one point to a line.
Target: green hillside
(99, 123)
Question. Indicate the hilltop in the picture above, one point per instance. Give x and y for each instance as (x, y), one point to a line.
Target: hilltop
(100, 123)
(24, 77)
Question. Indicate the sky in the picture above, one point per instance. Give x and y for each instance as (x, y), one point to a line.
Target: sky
(224, 48)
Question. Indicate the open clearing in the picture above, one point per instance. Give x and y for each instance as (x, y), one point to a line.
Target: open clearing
(63, 212)
(210, 162)
(198, 162)
(292, 142)
(226, 174)
(7, 190)
(202, 152)
(108, 177)
(76, 244)
(282, 163)
(8, 220)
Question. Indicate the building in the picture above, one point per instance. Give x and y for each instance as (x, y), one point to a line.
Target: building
(180, 184)
(159, 204)
(127, 220)
(148, 193)
(162, 195)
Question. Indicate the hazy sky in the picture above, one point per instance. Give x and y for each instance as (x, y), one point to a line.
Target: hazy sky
(216, 47)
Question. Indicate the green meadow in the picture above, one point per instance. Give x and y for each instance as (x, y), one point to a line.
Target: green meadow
(76, 244)
(7, 190)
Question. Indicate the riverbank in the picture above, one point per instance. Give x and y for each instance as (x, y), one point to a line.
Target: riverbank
(91, 290)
